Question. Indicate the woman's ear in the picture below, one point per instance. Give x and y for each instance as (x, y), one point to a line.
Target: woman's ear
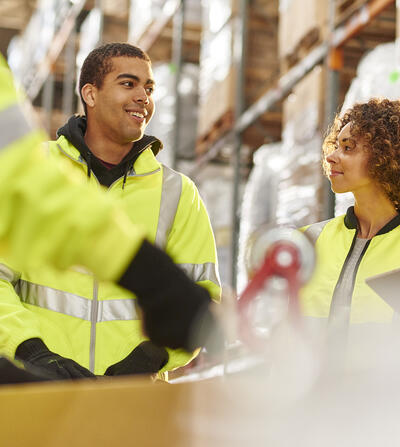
(89, 94)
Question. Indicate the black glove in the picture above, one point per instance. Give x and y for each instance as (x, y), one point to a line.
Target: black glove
(34, 353)
(11, 373)
(146, 358)
(176, 311)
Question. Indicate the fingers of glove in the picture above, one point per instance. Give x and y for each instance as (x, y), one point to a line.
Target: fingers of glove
(146, 358)
(64, 368)
(75, 370)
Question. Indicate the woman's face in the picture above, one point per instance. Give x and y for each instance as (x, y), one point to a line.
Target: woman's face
(348, 165)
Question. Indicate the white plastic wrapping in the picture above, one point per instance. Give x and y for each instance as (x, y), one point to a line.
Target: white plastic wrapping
(88, 39)
(376, 76)
(215, 59)
(163, 121)
(143, 13)
(27, 51)
(285, 185)
(259, 204)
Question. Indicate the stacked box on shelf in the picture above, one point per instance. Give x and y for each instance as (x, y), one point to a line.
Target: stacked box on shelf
(218, 72)
(302, 24)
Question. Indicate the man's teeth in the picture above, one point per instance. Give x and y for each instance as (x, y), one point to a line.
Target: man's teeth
(139, 115)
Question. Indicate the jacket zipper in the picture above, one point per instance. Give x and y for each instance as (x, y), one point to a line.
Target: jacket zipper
(93, 325)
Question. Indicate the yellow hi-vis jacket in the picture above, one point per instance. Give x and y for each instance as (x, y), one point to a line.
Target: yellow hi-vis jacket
(331, 293)
(36, 197)
(97, 323)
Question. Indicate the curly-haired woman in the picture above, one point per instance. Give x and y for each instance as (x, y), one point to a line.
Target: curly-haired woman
(361, 154)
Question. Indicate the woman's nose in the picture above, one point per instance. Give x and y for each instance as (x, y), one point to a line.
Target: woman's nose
(332, 157)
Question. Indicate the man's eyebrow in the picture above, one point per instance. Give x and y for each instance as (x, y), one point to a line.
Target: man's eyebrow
(135, 78)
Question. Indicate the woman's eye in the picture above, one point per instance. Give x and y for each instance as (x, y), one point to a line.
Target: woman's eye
(150, 90)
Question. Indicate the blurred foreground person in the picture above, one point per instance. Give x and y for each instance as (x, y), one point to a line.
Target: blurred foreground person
(362, 156)
(73, 314)
(49, 218)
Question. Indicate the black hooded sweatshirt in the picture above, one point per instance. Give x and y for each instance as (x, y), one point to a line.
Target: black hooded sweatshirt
(74, 131)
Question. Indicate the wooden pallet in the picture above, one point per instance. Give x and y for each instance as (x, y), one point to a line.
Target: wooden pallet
(217, 130)
(305, 45)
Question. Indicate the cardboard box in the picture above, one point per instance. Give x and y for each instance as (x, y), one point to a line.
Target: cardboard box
(218, 73)
(297, 20)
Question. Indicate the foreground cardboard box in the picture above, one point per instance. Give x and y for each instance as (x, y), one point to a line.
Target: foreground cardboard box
(121, 412)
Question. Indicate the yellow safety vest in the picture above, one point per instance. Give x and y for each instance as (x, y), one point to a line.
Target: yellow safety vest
(329, 289)
(96, 323)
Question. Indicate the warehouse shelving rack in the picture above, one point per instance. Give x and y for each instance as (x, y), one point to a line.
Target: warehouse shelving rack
(330, 51)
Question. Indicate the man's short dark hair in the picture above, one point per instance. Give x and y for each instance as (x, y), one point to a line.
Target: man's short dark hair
(98, 63)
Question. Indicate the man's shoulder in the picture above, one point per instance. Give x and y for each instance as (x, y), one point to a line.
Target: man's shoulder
(62, 146)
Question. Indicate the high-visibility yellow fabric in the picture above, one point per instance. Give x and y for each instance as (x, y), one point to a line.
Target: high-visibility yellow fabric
(190, 242)
(332, 247)
(36, 197)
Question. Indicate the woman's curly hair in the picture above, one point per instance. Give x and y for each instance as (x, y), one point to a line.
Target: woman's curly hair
(377, 123)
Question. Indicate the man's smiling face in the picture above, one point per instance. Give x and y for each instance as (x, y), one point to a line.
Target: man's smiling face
(124, 105)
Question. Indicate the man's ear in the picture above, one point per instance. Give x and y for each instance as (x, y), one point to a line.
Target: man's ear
(89, 94)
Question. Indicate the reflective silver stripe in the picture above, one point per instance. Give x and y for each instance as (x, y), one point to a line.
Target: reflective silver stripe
(75, 305)
(112, 310)
(170, 195)
(93, 320)
(201, 272)
(314, 230)
(13, 125)
(8, 274)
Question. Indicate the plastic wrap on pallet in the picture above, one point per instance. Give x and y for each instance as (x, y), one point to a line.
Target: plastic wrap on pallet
(214, 182)
(163, 121)
(215, 80)
(285, 184)
(259, 199)
(28, 50)
(298, 199)
(378, 75)
(88, 39)
(215, 58)
(300, 182)
(216, 13)
(141, 17)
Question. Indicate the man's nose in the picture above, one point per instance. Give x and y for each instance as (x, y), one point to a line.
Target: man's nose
(141, 96)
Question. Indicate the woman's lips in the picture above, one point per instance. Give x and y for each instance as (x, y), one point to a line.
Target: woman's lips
(335, 173)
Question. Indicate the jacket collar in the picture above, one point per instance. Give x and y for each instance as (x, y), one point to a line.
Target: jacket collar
(351, 222)
(145, 163)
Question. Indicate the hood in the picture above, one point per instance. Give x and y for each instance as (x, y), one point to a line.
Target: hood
(74, 131)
